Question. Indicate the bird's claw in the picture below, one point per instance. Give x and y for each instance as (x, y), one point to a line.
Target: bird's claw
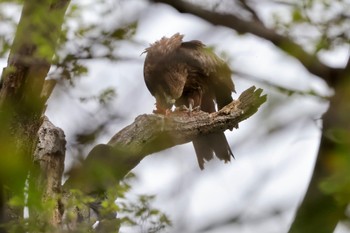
(196, 109)
(189, 110)
(182, 108)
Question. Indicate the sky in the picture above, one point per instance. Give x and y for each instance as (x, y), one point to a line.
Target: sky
(270, 172)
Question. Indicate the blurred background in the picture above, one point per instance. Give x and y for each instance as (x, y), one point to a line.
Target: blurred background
(102, 90)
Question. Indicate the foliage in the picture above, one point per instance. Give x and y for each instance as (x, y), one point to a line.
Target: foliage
(325, 21)
(138, 214)
(87, 41)
(8, 25)
(142, 216)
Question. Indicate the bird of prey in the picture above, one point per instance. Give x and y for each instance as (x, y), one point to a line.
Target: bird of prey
(190, 74)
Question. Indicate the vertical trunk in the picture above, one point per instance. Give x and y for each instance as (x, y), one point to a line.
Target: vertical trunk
(21, 103)
(324, 203)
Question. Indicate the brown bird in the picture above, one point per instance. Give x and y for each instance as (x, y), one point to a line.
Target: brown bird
(189, 74)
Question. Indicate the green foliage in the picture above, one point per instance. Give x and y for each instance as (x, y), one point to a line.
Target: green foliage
(8, 25)
(327, 21)
(104, 97)
(39, 220)
(142, 216)
(138, 214)
(88, 40)
(297, 15)
(338, 184)
(69, 63)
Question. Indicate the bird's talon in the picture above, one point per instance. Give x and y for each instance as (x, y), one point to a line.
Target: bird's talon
(182, 108)
(198, 108)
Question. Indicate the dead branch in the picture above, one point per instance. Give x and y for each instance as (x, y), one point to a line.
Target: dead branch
(49, 155)
(152, 133)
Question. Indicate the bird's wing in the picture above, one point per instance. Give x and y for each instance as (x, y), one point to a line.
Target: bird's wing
(167, 75)
(205, 62)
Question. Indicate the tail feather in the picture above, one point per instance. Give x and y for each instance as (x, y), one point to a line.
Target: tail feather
(206, 146)
(203, 150)
(220, 146)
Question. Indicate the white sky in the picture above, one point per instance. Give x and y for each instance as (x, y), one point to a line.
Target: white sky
(268, 172)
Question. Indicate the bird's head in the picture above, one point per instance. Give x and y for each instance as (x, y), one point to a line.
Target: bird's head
(164, 46)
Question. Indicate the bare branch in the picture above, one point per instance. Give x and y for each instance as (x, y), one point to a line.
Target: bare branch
(159, 132)
(246, 6)
(288, 91)
(152, 133)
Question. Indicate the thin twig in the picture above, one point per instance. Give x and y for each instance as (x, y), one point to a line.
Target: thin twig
(252, 11)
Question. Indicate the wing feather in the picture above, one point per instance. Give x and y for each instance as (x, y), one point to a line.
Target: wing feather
(204, 63)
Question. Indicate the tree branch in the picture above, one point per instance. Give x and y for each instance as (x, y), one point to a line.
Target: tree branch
(247, 7)
(152, 133)
(286, 44)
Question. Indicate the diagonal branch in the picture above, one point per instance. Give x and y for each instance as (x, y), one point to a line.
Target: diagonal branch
(152, 133)
(156, 132)
(280, 88)
(247, 7)
(286, 44)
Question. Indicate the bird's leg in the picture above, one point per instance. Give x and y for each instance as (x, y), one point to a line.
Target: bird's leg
(199, 100)
(190, 106)
(162, 124)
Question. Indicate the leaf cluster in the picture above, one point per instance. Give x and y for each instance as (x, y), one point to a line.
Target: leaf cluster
(82, 212)
(87, 41)
(142, 216)
(321, 25)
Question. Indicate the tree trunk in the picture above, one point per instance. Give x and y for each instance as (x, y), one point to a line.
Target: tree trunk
(20, 94)
(327, 197)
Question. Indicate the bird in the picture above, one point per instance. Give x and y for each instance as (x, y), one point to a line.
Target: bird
(189, 74)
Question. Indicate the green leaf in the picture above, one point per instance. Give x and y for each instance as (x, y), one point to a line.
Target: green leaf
(297, 15)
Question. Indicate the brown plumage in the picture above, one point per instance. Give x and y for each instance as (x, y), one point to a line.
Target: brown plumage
(187, 73)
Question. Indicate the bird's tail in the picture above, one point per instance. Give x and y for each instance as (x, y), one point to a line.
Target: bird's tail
(206, 146)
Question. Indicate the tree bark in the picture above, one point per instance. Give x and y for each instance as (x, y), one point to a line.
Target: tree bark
(49, 155)
(327, 196)
(20, 94)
